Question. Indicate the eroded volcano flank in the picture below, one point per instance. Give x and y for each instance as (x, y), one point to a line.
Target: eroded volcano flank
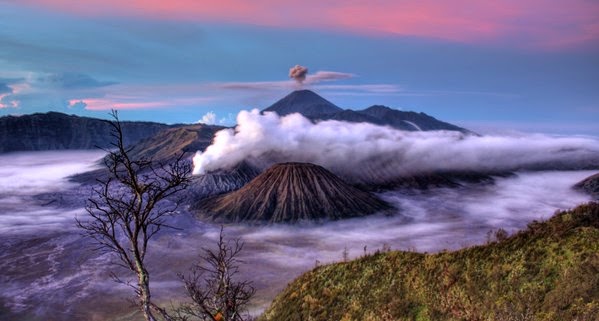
(291, 192)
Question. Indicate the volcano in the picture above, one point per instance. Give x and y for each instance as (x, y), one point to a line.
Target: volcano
(291, 192)
(314, 107)
(305, 102)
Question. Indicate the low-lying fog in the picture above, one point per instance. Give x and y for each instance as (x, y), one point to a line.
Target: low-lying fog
(47, 271)
(24, 175)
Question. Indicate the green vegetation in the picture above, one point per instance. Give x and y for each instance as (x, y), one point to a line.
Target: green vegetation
(550, 271)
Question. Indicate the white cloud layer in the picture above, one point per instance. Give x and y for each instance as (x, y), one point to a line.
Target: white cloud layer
(366, 152)
(209, 118)
(64, 273)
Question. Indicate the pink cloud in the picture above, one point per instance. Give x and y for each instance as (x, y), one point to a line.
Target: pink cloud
(451, 20)
(538, 23)
(9, 103)
(131, 103)
(107, 104)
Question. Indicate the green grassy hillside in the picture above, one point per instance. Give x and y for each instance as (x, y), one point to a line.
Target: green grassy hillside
(550, 271)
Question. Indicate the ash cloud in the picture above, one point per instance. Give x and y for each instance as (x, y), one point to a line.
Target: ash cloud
(298, 73)
(366, 153)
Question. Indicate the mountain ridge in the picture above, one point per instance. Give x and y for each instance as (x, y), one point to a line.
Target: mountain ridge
(316, 108)
(59, 131)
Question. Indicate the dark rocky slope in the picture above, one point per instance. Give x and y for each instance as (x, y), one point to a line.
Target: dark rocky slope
(431, 180)
(57, 131)
(548, 272)
(219, 182)
(164, 147)
(408, 120)
(172, 142)
(589, 185)
(292, 192)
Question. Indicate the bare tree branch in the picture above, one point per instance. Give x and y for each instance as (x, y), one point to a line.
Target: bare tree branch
(128, 209)
(215, 295)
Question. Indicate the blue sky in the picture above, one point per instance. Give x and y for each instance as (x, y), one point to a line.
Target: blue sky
(176, 69)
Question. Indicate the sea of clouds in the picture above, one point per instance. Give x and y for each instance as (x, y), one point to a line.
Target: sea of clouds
(64, 273)
(367, 153)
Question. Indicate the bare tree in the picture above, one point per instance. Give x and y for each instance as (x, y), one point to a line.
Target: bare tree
(129, 208)
(215, 295)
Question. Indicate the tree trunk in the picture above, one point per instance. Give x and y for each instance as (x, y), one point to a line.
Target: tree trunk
(144, 294)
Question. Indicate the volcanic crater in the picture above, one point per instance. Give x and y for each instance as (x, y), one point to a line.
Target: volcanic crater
(291, 192)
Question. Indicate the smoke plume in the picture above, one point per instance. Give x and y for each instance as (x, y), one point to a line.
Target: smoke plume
(298, 73)
(363, 152)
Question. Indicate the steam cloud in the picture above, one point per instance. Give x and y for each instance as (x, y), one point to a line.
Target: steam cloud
(298, 73)
(209, 118)
(364, 153)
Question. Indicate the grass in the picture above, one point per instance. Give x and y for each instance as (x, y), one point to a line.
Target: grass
(550, 271)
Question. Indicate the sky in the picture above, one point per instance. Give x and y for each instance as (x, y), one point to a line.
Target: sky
(490, 66)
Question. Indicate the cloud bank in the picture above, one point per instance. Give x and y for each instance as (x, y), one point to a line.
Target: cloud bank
(62, 274)
(368, 153)
(25, 175)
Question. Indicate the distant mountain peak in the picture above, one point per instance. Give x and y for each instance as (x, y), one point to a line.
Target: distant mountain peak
(379, 107)
(305, 102)
(314, 107)
(304, 92)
